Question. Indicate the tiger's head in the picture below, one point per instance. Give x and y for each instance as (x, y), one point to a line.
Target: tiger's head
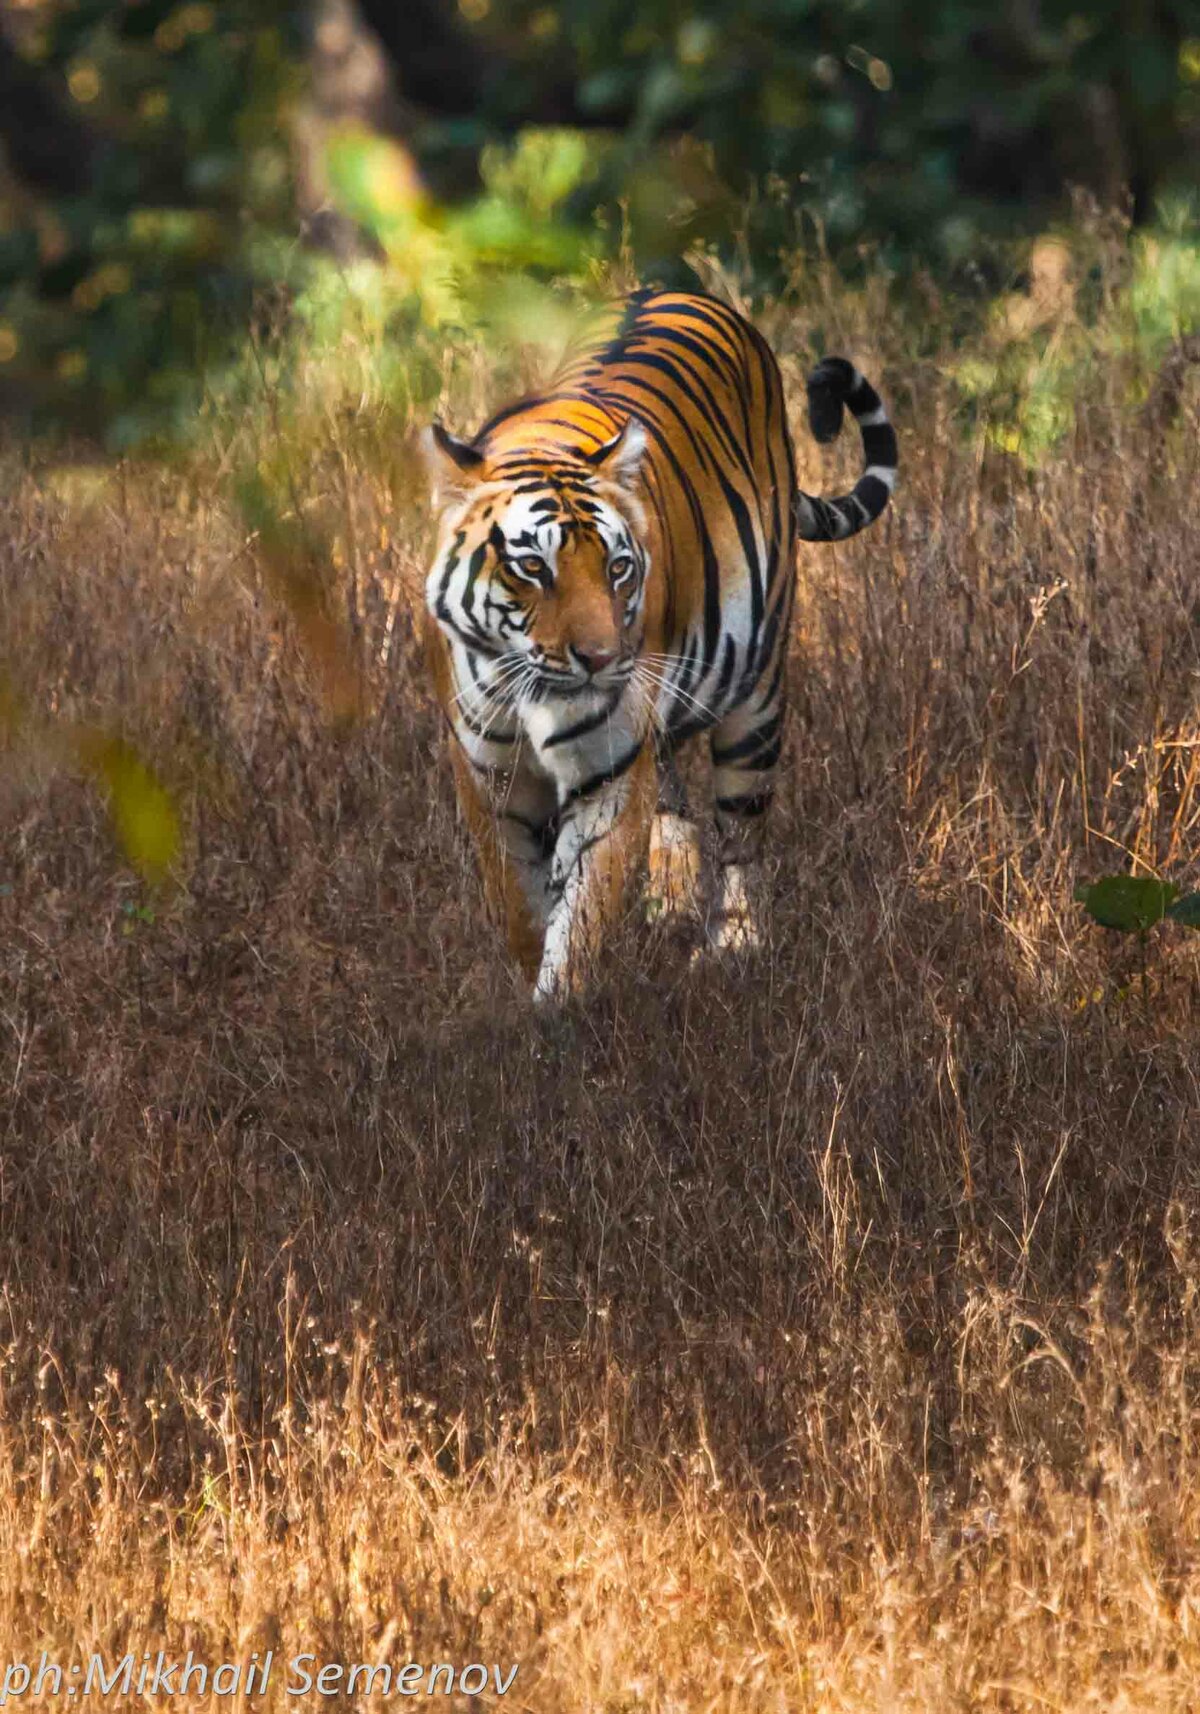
(541, 559)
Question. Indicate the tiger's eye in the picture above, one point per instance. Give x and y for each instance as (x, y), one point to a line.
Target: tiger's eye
(532, 564)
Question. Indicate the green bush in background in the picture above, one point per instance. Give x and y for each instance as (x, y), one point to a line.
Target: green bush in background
(157, 218)
(121, 292)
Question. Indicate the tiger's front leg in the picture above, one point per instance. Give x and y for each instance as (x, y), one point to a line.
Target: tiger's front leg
(602, 838)
(511, 817)
(673, 890)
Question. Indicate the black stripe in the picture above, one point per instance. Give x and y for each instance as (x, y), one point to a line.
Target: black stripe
(706, 351)
(688, 729)
(682, 681)
(710, 312)
(604, 777)
(749, 744)
(543, 834)
(879, 444)
(745, 529)
(770, 633)
(503, 415)
(776, 677)
(833, 518)
(757, 804)
(634, 304)
(706, 406)
(574, 428)
(472, 725)
(739, 383)
(773, 388)
(764, 758)
(589, 723)
(725, 677)
(475, 642)
(585, 845)
(871, 492)
(712, 573)
(449, 567)
(474, 567)
(862, 397)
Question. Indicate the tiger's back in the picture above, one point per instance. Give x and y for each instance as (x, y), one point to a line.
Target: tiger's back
(719, 473)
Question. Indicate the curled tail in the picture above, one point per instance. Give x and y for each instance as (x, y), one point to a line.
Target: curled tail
(834, 384)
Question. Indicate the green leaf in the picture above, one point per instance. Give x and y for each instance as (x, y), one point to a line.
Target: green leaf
(1186, 910)
(1132, 903)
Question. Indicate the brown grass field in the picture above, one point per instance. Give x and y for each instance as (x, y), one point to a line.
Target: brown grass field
(823, 1335)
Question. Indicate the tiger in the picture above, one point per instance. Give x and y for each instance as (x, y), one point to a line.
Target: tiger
(613, 574)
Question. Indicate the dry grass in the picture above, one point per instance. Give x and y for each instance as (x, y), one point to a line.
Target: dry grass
(823, 1337)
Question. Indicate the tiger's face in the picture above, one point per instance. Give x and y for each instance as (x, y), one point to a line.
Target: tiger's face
(541, 563)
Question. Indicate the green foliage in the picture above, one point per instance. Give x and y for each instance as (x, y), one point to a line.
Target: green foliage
(1186, 910)
(920, 128)
(920, 134)
(1164, 289)
(450, 261)
(1046, 347)
(1134, 903)
(121, 299)
(126, 307)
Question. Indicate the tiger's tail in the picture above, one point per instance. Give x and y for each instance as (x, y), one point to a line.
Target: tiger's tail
(834, 384)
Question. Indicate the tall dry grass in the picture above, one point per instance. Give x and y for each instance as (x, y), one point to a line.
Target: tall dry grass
(822, 1336)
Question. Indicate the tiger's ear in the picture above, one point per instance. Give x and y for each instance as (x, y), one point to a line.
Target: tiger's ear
(620, 459)
(453, 465)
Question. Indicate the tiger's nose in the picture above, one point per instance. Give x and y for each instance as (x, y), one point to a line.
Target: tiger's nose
(594, 660)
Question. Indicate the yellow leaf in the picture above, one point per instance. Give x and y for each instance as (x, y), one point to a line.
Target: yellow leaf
(143, 815)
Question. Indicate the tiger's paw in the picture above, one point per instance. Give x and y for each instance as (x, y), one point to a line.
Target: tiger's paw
(733, 927)
(673, 889)
(553, 987)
